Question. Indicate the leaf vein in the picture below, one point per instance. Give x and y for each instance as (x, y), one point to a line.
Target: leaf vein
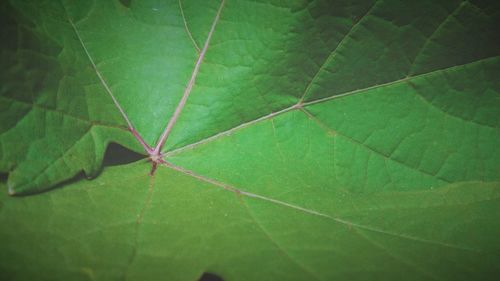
(403, 80)
(333, 53)
(429, 39)
(187, 28)
(429, 103)
(189, 86)
(311, 103)
(105, 85)
(228, 187)
(140, 216)
(276, 244)
(64, 113)
(52, 163)
(356, 142)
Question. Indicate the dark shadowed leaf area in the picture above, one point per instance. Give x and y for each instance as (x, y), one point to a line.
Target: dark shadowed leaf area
(249, 140)
(118, 155)
(210, 277)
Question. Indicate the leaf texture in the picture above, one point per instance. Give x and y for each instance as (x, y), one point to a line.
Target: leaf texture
(292, 140)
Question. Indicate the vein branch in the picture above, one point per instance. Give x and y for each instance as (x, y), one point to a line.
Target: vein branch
(287, 255)
(108, 89)
(138, 221)
(317, 101)
(372, 150)
(434, 33)
(187, 28)
(230, 131)
(400, 81)
(189, 86)
(332, 55)
(314, 212)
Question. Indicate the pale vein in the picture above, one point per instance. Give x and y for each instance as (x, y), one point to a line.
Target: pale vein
(310, 103)
(187, 28)
(99, 75)
(334, 52)
(436, 31)
(312, 212)
(356, 142)
(189, 86)
(108, 90)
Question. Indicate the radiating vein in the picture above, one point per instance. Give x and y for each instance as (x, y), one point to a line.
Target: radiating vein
(189, 86)
(108, 90)
(140, 216)
(64, 113)
(397, 258)
(278, 246)
(399, 81)
(313, 102)
(429, 39)
(99, 75)
(187, 28)
(461, 118)
(230, 131)
(333, 53)
(356, 142)
(312, 212)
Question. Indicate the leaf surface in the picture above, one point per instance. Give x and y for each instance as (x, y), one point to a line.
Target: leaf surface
(325, 140)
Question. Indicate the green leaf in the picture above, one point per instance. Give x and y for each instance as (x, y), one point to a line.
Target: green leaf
(289, 140)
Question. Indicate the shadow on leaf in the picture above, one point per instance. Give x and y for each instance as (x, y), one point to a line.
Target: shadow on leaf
(3, 177)
(119, 155)
(210, 277)
(126, 3)
(115, 155)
